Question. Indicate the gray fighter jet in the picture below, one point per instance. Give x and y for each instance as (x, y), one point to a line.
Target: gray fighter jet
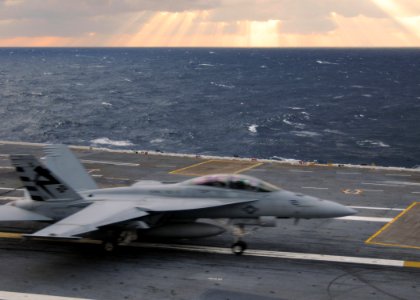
(61, 193)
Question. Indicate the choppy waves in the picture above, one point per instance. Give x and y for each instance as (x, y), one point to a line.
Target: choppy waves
(337, 105)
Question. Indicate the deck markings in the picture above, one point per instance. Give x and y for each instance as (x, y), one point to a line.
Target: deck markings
(371, 239)
(214, 166)
(116, 163)
(10, 189)
(314, 188)
(381, 184)
(259, 253)
(301, 171)
(369, 219)
(349, 173)
(399, 175)
(369, 190)
(30, 296)
(290, 255)
(352, 192)
(376, 208)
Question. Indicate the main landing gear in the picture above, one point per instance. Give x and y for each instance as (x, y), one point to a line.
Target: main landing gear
(113, 240)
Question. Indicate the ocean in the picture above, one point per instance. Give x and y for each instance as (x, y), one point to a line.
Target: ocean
(358, 106)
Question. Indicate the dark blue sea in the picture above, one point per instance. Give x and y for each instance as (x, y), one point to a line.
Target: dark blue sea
(357, 106)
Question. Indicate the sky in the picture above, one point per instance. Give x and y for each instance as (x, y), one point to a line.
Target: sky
(210, 23)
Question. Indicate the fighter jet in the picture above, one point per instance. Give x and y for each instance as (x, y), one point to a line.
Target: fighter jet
(62, 194)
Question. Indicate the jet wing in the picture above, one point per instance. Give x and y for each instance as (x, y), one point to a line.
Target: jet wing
(107, 212)
(98, 214)
(12, 213)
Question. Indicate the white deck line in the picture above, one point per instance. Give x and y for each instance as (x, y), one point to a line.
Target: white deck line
(369, 219)
(281, 255)
(10, 189)
(109, 163)
(381, 184)
(30, 296)
(289, 163)
(314, 188)
(376, 208)
(301, 171)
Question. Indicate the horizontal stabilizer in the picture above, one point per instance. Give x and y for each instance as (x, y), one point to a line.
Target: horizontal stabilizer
(12, 213)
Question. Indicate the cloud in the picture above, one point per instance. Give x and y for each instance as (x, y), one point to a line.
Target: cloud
(100, 20)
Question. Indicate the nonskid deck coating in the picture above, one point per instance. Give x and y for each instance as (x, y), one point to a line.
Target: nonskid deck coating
(312, 242)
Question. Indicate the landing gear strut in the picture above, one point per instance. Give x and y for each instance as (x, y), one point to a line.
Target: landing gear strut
(113, 240)
(239, 246)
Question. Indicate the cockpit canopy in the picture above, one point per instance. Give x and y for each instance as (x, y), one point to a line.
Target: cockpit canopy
(236, 182)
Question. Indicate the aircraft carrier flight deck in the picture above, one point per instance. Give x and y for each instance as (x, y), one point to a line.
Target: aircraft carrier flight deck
(374, 254)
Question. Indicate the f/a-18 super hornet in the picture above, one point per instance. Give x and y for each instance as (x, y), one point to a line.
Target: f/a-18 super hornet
(61, 193)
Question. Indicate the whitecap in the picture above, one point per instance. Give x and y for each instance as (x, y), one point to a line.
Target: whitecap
(107, 141)
(226, 86)
(358, 86)
(206, 65)
(338, 97)
(289, 160)
(367, 95)
(295, 108)
(333, 131)
(263, 67)
(306, 133)
(127, 79)
(306, 115)
(156, 141)
(297, 125)
(253, 128)
(372, 143)
(324, 62)
(106, 104)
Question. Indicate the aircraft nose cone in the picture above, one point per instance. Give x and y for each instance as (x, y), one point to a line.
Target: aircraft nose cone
(335, 210)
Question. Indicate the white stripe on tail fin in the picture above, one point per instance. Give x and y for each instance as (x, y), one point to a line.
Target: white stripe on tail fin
(40, 182)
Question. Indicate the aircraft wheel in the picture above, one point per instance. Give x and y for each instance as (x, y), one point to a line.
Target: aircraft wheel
(109, 246)
(239, 247)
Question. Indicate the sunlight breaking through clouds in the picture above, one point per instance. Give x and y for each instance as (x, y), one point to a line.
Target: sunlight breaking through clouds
(218, 23)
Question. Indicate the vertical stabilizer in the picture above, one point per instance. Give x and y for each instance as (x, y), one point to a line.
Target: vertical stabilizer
(62, 162)
(40, 182)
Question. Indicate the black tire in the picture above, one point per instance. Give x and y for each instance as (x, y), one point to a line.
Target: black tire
(239, 247)
(109, 246)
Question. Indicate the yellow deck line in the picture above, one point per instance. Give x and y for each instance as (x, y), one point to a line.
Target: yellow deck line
(181, 170)
(369, 240)
(10, 235)
(248, 168)
(189, 167)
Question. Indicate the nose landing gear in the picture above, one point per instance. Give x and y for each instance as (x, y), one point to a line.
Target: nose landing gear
(239, 246)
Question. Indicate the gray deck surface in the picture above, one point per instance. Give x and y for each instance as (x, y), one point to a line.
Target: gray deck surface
(136, 272)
